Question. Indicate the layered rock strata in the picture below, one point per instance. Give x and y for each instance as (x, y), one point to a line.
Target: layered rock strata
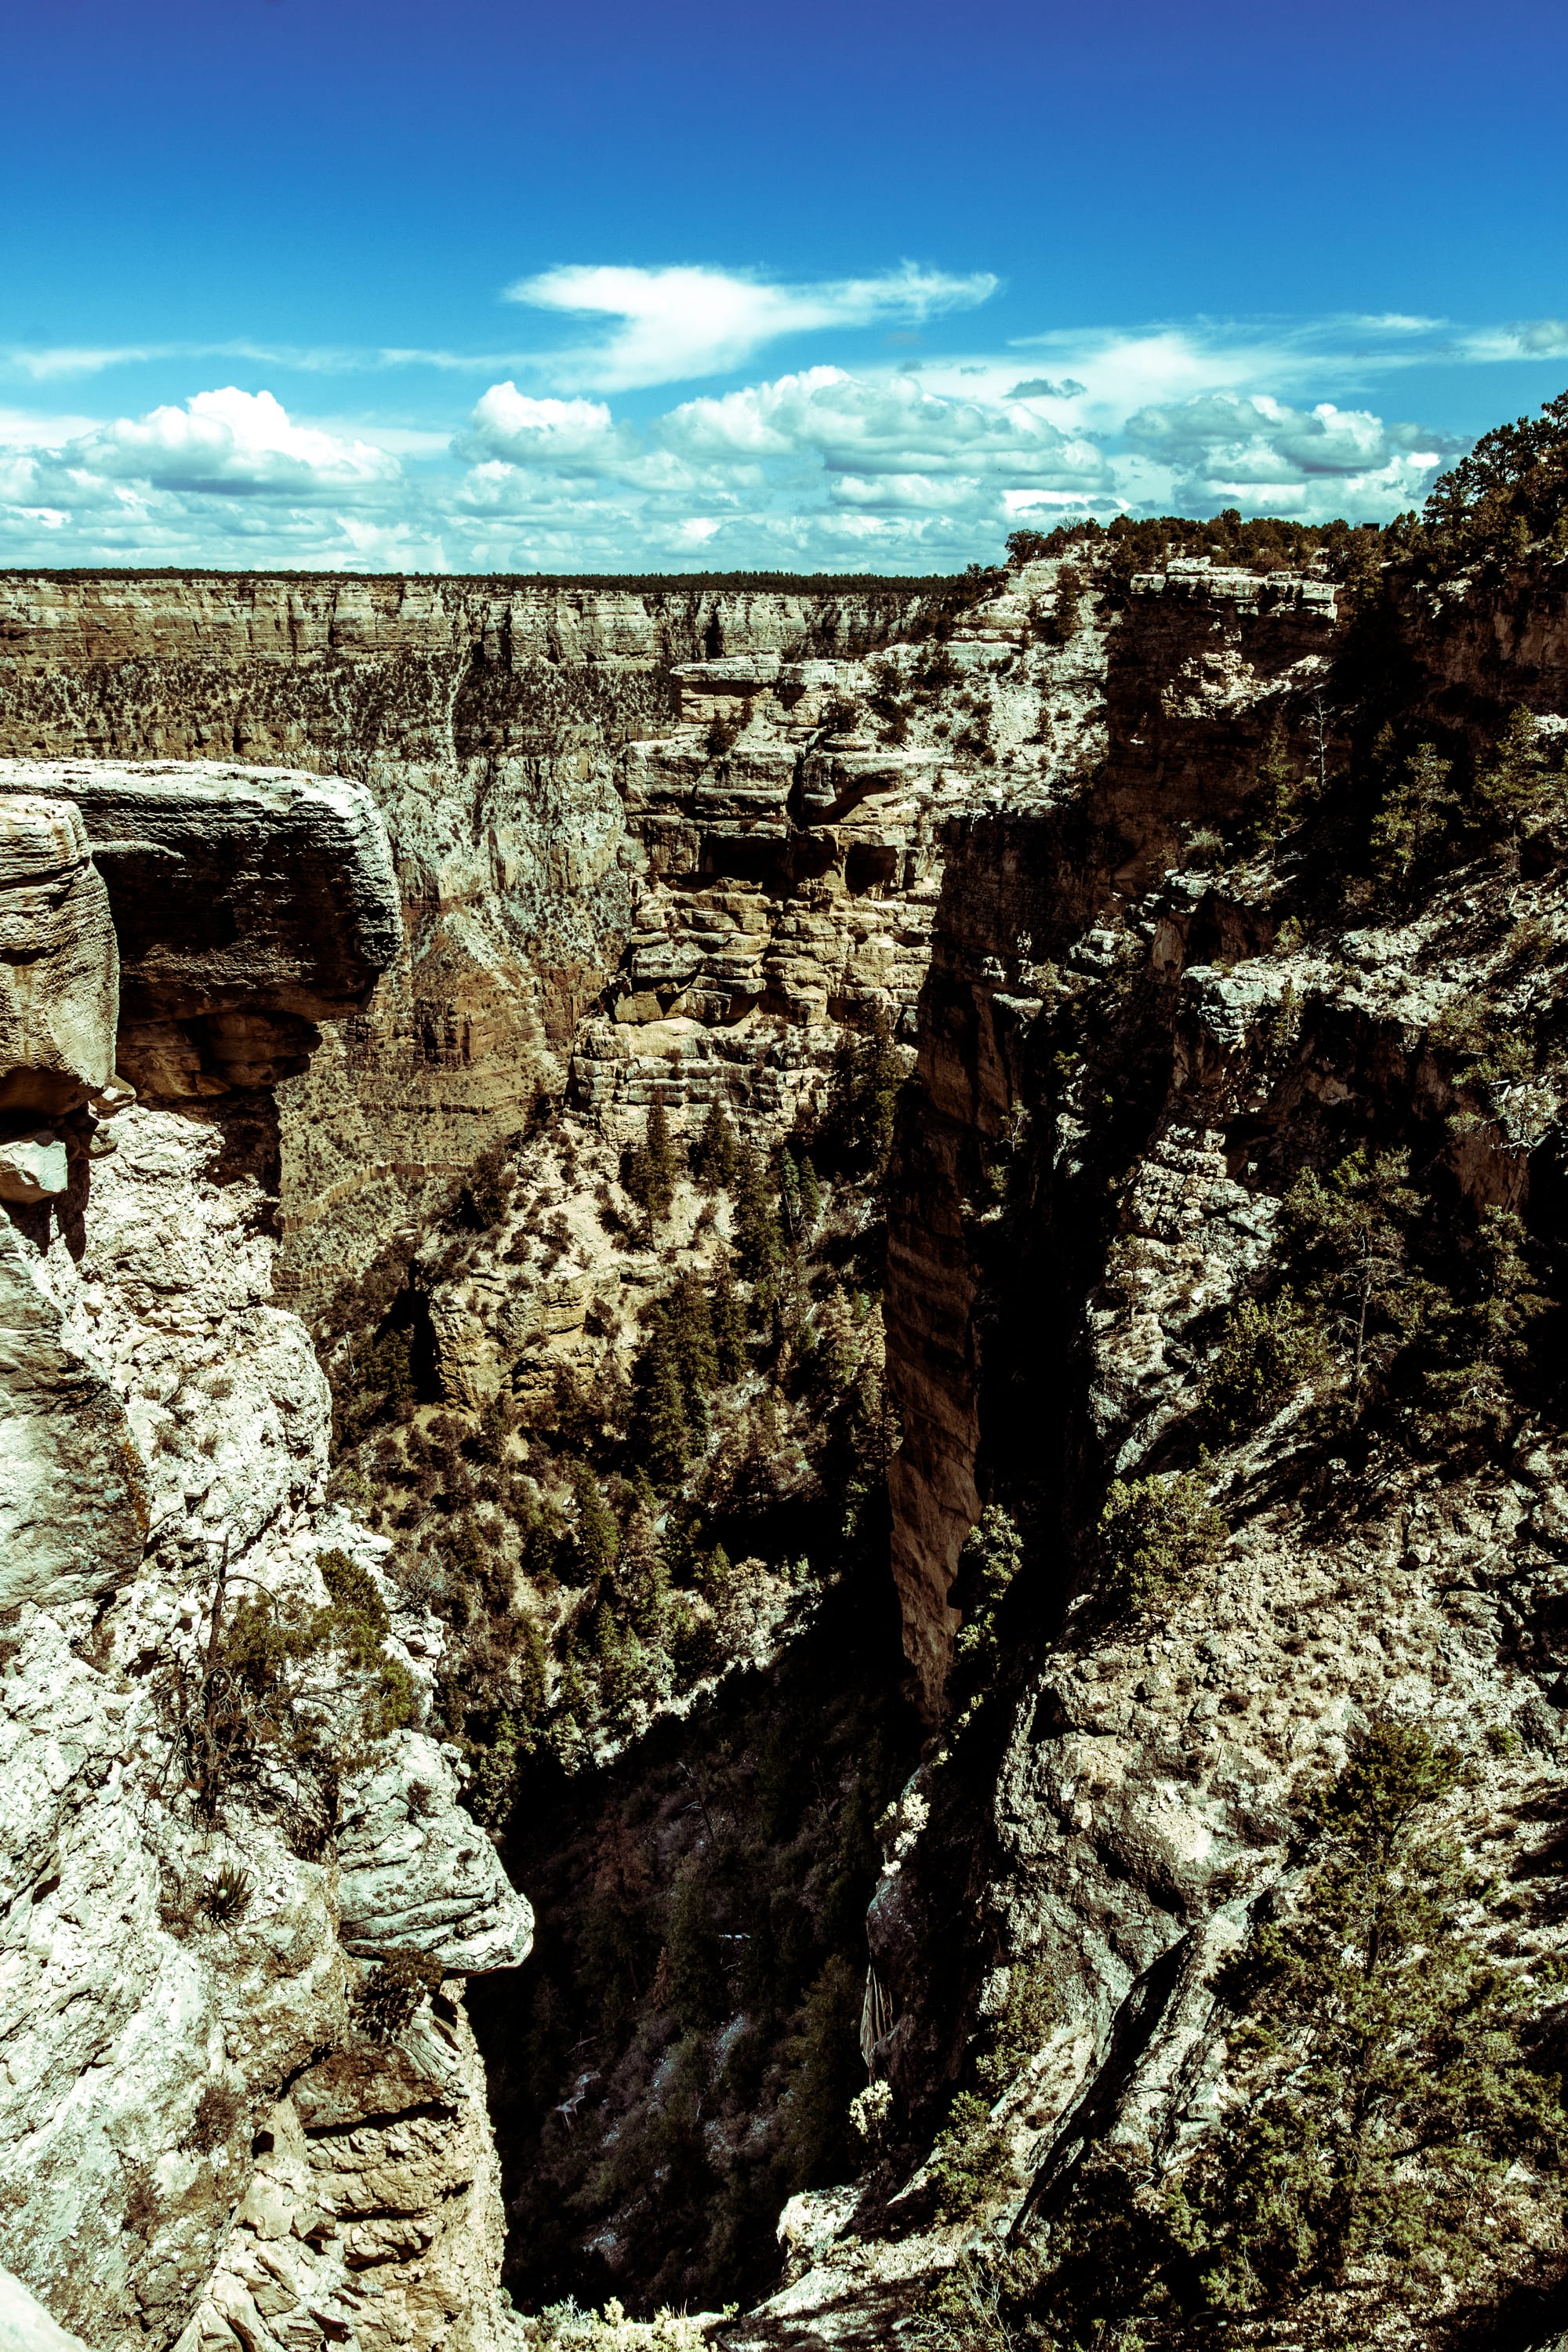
(487, 719)
(1119, 1081)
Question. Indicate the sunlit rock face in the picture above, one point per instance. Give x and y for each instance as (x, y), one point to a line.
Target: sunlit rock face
(58, 963)
(206, 2134)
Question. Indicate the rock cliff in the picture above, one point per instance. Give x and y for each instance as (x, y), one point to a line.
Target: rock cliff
(487, 720)
(226, 2118)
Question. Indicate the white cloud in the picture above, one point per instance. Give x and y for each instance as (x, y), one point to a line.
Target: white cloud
(230, 441)
(884, 465)
(891, 425)
(508, 425)
(674, 325)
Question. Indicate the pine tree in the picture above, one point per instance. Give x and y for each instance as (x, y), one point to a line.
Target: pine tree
(689, 1322)
(1482, 1344)
(715, 1158)
(728, 1323)
(810, 1198)
(1415, 814)
(1277, 787)
(530, 1674)
(1517, 785)
(644, 1578)
(1348, 1234)
(866, 1075)
(789, 1200)
(650, 1169)
(598, 1539)
(759, 1245)
(662, 1425)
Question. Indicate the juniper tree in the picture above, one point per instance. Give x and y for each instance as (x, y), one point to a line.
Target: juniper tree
(1267, 1350)
(1155, 1536)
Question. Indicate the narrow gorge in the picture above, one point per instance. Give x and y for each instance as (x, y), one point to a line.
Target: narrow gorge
(781, 1407)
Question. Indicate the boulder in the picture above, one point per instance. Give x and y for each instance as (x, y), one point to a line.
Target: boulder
(73, 1492)
(33, 1167)
(58, 966)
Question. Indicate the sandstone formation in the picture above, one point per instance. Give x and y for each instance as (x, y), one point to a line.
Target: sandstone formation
(59, 967)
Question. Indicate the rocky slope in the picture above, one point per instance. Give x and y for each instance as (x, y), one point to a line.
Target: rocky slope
(1161, 1024)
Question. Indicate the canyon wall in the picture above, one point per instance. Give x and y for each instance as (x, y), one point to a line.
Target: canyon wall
(224, 2119)
(487, 719)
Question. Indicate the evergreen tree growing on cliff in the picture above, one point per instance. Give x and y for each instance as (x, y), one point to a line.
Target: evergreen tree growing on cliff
(1385, 2072)
(1349, 1237)
(1516, 787)
(715, 1158)
(650, 1169)
(728, 1323)
(759, 1244)
(867, 1073)
(1415, 814)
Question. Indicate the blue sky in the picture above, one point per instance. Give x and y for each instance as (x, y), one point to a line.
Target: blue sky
(329, 284)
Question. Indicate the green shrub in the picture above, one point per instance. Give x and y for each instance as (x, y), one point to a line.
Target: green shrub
(1267, 1350)
(388, 1997)
(969, 2160)
(992, 1556)
(1155, 1537)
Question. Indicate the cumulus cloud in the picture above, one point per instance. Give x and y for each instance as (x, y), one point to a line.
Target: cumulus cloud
(882, 464)
(675, 324)
(508, 425)
(227, 476)
(231, 442)
(1227, 447)
(887, 426)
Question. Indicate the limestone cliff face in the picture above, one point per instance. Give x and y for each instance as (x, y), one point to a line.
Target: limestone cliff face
(206, 2134)
(486, 718)
(1125, 1060)
(1188, 681)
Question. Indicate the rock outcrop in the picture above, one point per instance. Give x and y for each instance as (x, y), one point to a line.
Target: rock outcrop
(212, 2126)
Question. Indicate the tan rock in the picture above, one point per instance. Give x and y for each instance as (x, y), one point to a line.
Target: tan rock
(58, 963)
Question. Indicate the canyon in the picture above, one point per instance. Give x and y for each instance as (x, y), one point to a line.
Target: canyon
(357, 937)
